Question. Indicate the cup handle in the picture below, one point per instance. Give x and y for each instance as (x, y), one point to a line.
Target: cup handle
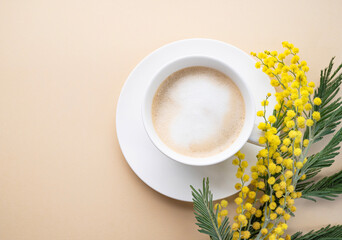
(255, 135)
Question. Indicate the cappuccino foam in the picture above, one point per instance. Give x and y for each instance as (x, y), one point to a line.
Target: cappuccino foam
(198, 111)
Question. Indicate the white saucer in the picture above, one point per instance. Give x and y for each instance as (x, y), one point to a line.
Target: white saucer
(161, 173)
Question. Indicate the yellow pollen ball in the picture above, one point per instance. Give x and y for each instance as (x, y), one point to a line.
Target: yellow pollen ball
(282, 185)
(271, 180)
(272, 119)
(224, 212)
(238, 201)
(279, 194)
(260, 113)
(297, 152)
(276, 187)
(287, 216)
(235, 226)
(283, 149)
(262, 140)
(310, 90)
(281, 56)
(288, 174)
(262, 126)
(309, 122)
(244, 164)
(285, 44)
(248, 206)
(279, 210)
(245, 178)
(238, 186)
(240, 155)
(308, 107)
(272, 167)
(279, 160)
(290, 188)
(258, 213)
(298, 102)
(316, 116)
(264, 103)
(274, 83)
(317, 101)
(273, 205)
(253, 210)
(278, 231)
(311, 84)
(292, 134)
(246, 234)
(265, 198)
(224, 203)
(290, 113)
(236, 235)
(245, 189)
(256, 225)
(264, 231)
(251, 194)
(299, 165)
(255, 175)
(261, 185)
(235, 161)
(274, 53)
(263, 152)
(306, 142)
(286, 142)
(301, 120)
(290, 124)
(286, 69)
(239, 174)
(293, 195)
(287, 52)
(241, 218)
(284, 226)
(273, 216)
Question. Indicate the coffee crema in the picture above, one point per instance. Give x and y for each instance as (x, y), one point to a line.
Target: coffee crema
(198, 111)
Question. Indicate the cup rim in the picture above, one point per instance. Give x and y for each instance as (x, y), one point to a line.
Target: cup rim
(209, 160)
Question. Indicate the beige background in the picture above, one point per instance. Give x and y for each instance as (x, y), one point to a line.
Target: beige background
(62, 66)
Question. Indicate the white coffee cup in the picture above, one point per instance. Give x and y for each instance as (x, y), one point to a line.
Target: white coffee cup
(249, 131)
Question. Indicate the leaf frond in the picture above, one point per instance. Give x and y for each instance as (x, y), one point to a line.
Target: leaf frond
(205, 215)
(327, 188)
(326, 233)
(331, 117)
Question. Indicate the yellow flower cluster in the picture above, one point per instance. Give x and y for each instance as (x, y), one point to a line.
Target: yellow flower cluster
(274, 177)
(222, 211)
(245, 200)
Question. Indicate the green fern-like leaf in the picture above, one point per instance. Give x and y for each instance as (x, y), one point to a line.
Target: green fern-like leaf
(205, 215)
(331, 116)
(324, 158)
(331, 111)
(327, 188)
(326, 233)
